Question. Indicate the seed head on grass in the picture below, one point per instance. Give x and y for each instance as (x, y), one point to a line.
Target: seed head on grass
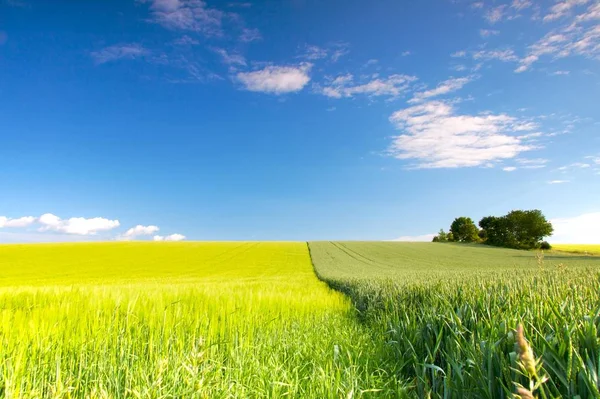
(524, 393)
(526, 353)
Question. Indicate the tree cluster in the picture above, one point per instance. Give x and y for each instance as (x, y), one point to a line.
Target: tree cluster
(518, 229)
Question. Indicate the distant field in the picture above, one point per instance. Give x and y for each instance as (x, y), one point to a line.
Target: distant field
(402, 260)
(178, 320)
(447, 314)
(578, 249)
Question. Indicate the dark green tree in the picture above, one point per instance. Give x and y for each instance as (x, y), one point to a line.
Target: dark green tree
(528, 228)
(463, 229)
(519, 229)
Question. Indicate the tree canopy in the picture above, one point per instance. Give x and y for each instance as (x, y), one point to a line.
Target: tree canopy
(517, 229)
(463, 229)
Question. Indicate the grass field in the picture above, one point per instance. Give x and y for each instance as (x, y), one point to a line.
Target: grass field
(252, 320)
(589, 249)
(448, 313)
(179, 320)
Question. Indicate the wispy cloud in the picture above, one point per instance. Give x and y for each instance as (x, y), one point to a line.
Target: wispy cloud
(138, 231)
(276, 79)
(488, 32)
(562, 8)
(509, 169)
(495, 14)
(312, 52)
(504, 55)
(186, 40)
(521, 4)
(250, 35)
(345, 86)
(445, 87)
(119, 51)
(577, 37)
(558, 181)
(536, 163)
(191, 15)
(230, 58)
(333, 52)
(339, 50)
(436, 136)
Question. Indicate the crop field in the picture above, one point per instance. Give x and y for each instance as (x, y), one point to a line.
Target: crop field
(589, 249)
(179, 320)
(253, 320)
(447, 314)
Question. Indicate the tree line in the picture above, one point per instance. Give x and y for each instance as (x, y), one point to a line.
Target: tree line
(517, 229)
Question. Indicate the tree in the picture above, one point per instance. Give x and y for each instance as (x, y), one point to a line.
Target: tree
(518, 229)
(528, 228)
(463, 229)
(442, 236)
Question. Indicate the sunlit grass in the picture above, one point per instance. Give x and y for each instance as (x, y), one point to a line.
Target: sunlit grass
(178, 320)
(448, 315)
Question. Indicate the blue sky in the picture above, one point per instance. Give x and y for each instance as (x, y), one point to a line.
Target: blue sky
(295, 120)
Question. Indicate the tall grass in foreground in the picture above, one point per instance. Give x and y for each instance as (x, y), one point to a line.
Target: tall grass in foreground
(259, 324)
(453, 334)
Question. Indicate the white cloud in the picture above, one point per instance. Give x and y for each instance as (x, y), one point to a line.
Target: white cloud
(559, 73)
(437, 137)
(582, 229)
(405, 53)
(78, 226)
(250, 35)
(558, 181)
(19, 222)
(488, 32)
(276, 79)
(509, 169)
(192, 15)
(562, 8)
(138, 231)
(119, 51)
(172, 237)
(344, 86)
(230, 58)
(444, 87)
(459, 54)
(424, 237)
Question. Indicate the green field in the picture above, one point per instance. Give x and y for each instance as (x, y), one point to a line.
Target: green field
(447, 314)
(252, 320)
(178, 320)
